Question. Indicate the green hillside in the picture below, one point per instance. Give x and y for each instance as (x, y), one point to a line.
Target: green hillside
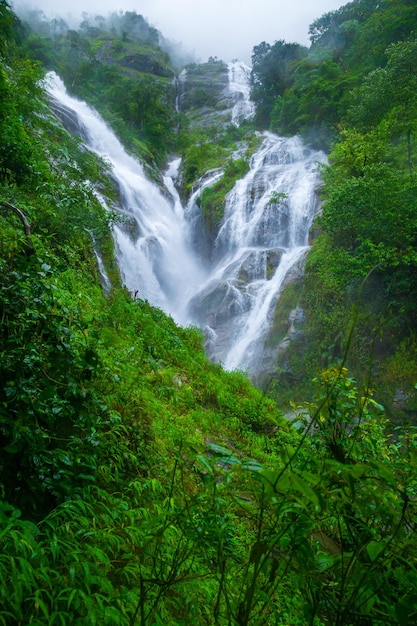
(139, 482)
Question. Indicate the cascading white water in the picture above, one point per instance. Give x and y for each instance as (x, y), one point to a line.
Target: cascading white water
(263, 239)
(264, 234)
(153, 253)
(239, 88)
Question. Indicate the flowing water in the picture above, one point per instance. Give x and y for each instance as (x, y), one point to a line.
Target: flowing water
(230, 290)
(155, 258)
(239, 88)
(259, 249)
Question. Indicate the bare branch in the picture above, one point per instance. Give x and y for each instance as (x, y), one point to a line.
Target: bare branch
(20, 214)
(26, 226)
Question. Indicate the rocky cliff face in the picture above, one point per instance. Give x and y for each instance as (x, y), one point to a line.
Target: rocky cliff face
(202, 86)
(203, 94)
(145, 63)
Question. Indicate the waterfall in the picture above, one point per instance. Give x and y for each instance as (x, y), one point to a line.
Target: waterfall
(230, 292)
(153, 252)
(260, 247)
(239, 89)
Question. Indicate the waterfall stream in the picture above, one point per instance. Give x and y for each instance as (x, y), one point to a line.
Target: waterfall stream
(261, 243)
(239, 87)
(153, 252)
(259, 249)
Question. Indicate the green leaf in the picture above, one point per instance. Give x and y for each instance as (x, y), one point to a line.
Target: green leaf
(252, 466)
(220, 450)
(324, 561)
(205, 463)
(406, 609)
(374, 549)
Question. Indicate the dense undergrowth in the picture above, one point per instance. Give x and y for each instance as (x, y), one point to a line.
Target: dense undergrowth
(142, 484)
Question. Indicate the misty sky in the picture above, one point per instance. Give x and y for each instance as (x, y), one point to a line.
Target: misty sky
(227, 29)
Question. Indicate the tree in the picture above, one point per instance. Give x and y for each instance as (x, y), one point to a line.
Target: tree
(315, 102)
(402, 75)
(6, 25)
(389, 95)
(273, 70)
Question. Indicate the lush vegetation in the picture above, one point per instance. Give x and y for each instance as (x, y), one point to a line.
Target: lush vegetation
(142, 484)
(353, 91)
(307, 91)
(212, 200)
(107, 57)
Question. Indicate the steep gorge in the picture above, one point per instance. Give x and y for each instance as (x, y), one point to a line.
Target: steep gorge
(261, 240)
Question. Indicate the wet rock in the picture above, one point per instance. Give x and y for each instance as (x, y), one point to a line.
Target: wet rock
(260, 264)
(278, 356)
(219, 302)
(145, 63)
(203, 86)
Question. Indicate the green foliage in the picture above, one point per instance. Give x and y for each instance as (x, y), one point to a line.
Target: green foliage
(40, 158)
(323, 532)
(18, 92)
(212, 200)
(272, 74)
(367, 486)
(106, 58)
(307, 92)
(365, 258)
(49, 412)
(325, 299)
(387, 98)
(200, 97)
(202, 153)
(6, 23)
(315, 103)
(376, 208)
(199, 156)
(141, 483)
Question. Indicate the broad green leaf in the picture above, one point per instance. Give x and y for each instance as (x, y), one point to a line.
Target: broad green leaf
(374, 549)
